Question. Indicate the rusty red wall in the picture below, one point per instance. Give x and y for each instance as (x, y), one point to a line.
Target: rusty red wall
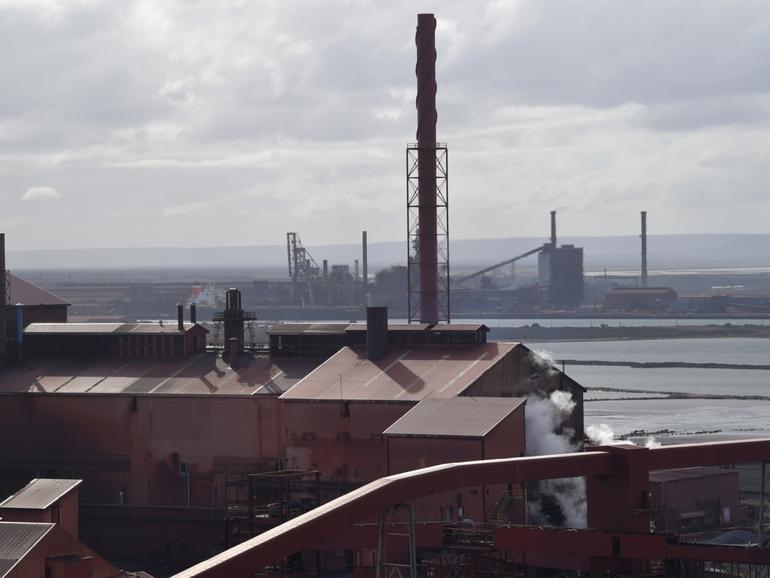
(137, 444)
(407, 453)
(339, 439)
(507, 440)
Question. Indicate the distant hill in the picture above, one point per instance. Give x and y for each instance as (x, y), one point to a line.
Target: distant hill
(665, 251)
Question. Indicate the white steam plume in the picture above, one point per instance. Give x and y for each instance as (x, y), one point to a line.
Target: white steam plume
(554, 502)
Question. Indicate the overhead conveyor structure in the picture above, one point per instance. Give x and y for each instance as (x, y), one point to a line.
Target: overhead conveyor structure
(617, 494)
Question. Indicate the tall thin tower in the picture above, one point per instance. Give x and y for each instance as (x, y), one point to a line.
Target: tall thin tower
(427, 193)
(644, 249)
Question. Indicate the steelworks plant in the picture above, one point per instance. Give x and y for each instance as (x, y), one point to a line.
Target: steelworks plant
(343, 449)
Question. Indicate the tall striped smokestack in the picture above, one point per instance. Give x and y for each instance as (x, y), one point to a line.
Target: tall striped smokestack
(426, 166)
(644, 248)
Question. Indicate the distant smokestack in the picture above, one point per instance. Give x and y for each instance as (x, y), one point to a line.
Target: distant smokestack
(180, 316)
(426, 166)
(644, 248)
(553, 229)
(355, 269)
(326, 268)
(3, 301)
(376, 332)
(193, 313)
(365, 263)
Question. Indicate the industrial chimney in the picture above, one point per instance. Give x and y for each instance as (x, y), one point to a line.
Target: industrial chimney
(180, 317)
(426, 161)
(644, 248)
(553, 229)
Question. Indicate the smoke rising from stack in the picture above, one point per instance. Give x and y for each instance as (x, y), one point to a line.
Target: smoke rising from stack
(553, 502)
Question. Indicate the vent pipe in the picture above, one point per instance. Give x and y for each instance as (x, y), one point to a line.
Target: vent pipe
(3, 301)
(180, 316)
(644, 248)
(426, 166)
(193, 313)
(553, 229)
(376, 332)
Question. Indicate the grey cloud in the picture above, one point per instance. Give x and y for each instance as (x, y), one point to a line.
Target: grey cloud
(295, 115)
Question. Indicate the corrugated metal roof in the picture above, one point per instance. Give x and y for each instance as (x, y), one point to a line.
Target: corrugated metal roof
(40, 494)
(403, 375)
(689, 473)
(455, 417)
(459, 327)
(303, 328)
(397, 327)
(203, 374)
(17, 539)
(107, 328)
(26, 293)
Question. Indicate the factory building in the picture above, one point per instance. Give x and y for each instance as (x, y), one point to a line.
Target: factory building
(439, 431)
(135, 340)
(336, 416)
(691, 499)
(640, 298)
(561, 269)
(39, 536)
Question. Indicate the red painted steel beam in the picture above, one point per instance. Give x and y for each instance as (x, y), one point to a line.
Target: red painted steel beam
(307, 530)
(599, 544)
(709, 454)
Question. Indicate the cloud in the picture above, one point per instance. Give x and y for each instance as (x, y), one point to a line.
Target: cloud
(300, 111)
(194, 207)
(37, 193)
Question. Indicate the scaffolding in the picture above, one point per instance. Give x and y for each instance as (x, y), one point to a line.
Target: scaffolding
(413, 231)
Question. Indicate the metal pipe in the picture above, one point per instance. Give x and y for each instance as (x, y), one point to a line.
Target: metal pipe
(426, 166)
(553, 229)
(644, 248)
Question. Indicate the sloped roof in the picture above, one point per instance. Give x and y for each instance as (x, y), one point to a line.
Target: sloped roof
(402, 375)
(473, 417)
(107, 328)
(40, 494)
(27, 294)
(17, 539)
(202, 374)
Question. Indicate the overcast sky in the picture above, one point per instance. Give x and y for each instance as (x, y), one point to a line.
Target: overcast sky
(210, 123)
